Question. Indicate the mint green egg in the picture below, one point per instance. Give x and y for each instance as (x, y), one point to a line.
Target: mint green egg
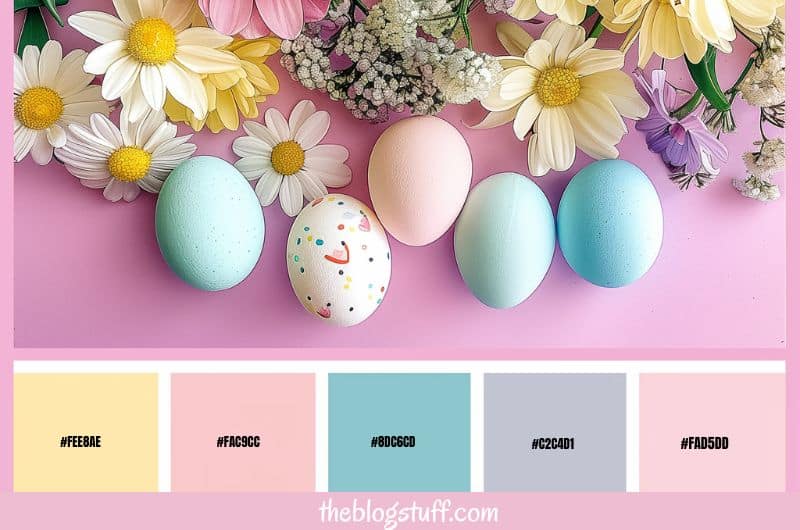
(209, 224)
(505, 238)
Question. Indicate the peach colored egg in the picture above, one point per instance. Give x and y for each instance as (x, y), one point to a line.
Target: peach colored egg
(419, 176)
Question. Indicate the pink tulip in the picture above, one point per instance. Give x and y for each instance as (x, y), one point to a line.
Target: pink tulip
(256, 18)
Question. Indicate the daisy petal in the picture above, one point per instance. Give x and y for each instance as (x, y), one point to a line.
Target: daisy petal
(178, 13)
(276, 123)
(71, 78)
(205, 37)
(261, 132)
(526, 116)
(151, 8)
(117, 190)
(41, 151)
(593, 61)
(186, 89)
(56, 136)
(252, 167)
(49, 61)
(120, 77)
(267, 187)
(291, 196)
(312, 186)
(313, 129)
(513, 38)
(151, 184)
(102, 127)
(536, 162)
(495, 119)
(301, 112)
(164, 132)
(102, 57)
(518, 83)
(245, 146)
(205, 60)
(128, 10)
(152, 86)
(99, 26)
(556, 139)
(23, 141)
(30, 61)
(20, 79)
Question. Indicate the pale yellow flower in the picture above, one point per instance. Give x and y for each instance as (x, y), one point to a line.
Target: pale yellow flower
(673, 28)
(565, 92)
(570, 11)
(234, 93)
(663, 27)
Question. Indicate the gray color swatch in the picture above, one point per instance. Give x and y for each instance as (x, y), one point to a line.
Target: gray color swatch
(587, 407)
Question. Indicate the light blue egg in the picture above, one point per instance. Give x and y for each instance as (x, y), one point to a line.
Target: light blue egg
(610, 223)
(209, 224)
(504, 239)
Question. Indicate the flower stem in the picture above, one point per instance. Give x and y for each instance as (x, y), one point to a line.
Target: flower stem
(597, 29)
(362, 6)
(750, 63)
(687, 108)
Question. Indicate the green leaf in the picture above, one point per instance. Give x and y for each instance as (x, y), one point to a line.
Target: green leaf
(34, 32)
(28, 4)
(51, 6)
(704, 75)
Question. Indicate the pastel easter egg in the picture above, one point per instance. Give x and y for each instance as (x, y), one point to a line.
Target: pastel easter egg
(504, 239)
(419, 175)
(339, 260)
(209, 224)
(610, 223)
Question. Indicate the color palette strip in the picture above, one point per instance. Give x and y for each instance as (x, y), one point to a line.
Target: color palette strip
(339, 426)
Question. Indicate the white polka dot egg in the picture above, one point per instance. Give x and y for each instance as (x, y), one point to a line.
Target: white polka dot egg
(339, 260)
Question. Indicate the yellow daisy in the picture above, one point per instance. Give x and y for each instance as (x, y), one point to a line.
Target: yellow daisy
(233, 93)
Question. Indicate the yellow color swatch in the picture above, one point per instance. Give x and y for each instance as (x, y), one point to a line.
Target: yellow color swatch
(59, 419)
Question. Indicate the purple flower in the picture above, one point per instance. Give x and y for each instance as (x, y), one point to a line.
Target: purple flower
(684, 143)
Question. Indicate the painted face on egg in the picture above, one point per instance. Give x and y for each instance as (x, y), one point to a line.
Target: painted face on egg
(339, 260)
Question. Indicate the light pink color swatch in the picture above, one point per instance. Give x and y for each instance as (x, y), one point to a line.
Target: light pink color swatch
(88, 273)
(750, 409)
(277, 407)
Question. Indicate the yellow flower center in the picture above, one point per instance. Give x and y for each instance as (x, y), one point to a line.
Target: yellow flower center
(129, 164)
(557, 87)
(38, 108)
(288, 157)
(152, 41)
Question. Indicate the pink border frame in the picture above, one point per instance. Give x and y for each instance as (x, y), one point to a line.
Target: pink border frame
(300, 510)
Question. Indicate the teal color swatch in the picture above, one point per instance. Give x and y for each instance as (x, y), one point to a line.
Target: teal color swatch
(367, 411)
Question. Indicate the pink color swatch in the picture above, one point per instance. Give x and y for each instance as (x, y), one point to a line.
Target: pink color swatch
(279, 408)
(88, 273)
(749, 409)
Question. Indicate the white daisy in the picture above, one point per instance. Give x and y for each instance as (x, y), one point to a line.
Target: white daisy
(286, 160)
(50, 92)
(150, 50)
(139, 155)
(565, 92)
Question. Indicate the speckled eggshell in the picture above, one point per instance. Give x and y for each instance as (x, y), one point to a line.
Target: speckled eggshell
(339, 260)
(610, 224)
(209, 224)
(419, 175)
(504, 239)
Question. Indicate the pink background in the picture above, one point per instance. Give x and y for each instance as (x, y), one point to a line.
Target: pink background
(277, 407)
(747, 408)
(655, 511)
(89, 272)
